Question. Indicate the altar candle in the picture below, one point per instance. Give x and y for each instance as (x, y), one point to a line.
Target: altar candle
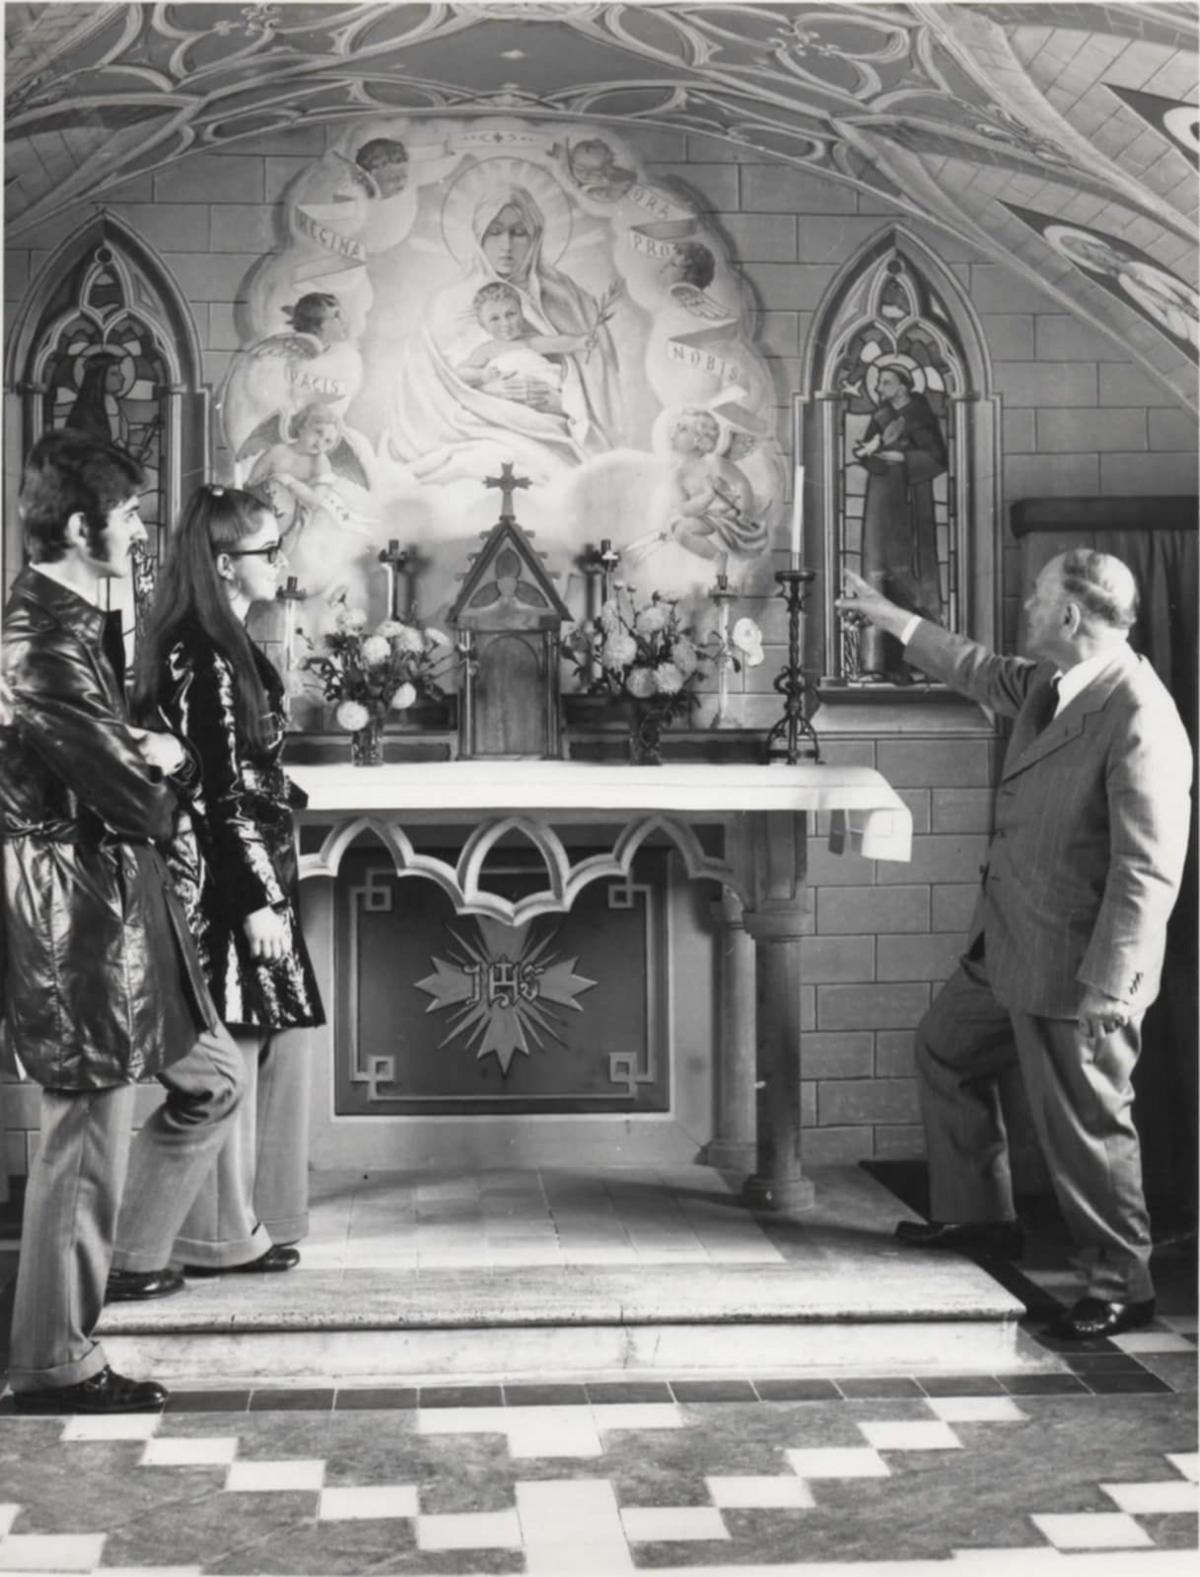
(293, 585)
(605, 546)
(797, 515)
(394, 547)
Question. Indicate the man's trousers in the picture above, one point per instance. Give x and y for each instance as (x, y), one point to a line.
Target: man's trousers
(1081, 1098)
(74, 1193)
(257, 1193)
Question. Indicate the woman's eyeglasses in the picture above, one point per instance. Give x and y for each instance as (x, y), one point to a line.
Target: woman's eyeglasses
(271, 553)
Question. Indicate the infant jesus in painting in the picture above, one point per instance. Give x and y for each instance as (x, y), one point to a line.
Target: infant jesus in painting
(513, 349)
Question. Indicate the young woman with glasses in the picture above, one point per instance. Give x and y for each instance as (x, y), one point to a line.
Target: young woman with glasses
(234, 863)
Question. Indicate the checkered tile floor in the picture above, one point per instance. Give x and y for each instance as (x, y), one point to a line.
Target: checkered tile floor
(1089, 1470)
(884, 1481)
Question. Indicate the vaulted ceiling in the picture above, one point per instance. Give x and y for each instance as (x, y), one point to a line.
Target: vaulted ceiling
(955, 113)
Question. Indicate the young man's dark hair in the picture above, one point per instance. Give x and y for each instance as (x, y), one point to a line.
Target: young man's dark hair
(68, 473)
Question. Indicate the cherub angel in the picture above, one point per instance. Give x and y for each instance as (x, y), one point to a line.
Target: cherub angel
(687, 272)
(310, 475)
(712, 502)
(284, 372)
(709, 507)
(310, 451)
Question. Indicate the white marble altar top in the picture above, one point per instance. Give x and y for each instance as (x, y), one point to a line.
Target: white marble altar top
(868, 815)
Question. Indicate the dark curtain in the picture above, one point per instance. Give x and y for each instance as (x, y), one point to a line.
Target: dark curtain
(1165, 564)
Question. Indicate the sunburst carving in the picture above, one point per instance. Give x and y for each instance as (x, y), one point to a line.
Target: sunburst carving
(505, 989)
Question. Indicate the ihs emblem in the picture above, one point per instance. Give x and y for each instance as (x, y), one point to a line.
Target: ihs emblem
(501, 986)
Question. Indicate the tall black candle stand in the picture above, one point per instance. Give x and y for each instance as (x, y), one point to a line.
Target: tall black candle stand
(793, 735)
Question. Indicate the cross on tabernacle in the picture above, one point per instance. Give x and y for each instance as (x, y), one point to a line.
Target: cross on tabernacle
(508, 484)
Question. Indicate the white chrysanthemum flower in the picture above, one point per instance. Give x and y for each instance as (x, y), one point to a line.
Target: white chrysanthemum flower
(667, 679)
(408, 639)
(618, 650)
(376, 650)
(404, 697)
(652, 619)
(352, 619)
(352, 715)
(747, 638)
(610, 616)
(390, 628)
(685, 656)
(640, 684)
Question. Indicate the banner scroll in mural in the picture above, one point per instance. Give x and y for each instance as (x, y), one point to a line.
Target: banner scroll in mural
(453, 295)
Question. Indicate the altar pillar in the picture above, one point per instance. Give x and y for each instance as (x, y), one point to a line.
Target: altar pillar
(776, 922)
(733, 1147)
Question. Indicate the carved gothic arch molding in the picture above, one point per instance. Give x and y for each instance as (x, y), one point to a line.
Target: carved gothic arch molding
(147, 295)
(464, 883)
(972, 489)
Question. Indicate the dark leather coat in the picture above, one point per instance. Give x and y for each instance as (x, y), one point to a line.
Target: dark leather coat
(101, 983)
(237, 851)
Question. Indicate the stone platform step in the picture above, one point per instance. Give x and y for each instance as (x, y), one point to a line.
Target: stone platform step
(827, 1291)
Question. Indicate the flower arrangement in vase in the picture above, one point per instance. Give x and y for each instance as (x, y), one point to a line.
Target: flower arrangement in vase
(644, 654)
(371, 673)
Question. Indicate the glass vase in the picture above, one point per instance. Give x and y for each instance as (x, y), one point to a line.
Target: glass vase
(366, 744)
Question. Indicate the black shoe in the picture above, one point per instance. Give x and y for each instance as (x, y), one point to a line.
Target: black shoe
(105, 1392)
(1098, 1317)
(988, 1239)
(276, 1258)
(126, 1286)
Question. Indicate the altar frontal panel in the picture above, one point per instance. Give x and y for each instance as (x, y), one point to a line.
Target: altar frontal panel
(439, 1013)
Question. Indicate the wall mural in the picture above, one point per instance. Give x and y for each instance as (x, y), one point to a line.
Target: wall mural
(452, 295)
(1171, 304)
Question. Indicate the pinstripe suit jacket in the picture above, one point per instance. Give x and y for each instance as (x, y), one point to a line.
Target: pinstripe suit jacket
(1091, 826)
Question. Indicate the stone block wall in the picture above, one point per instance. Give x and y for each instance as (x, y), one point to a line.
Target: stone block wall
(1078, 418)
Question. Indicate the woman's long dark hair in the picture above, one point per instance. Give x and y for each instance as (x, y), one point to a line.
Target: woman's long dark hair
(190, 592)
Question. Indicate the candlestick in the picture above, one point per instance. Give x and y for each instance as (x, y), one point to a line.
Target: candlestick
(723, 596)
(598, 565)
(393, 558)
(609, 559)
(784, 740)
(289, 594)
(797, 516)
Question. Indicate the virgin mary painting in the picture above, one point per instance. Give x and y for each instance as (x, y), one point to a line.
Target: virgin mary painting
(513, 357)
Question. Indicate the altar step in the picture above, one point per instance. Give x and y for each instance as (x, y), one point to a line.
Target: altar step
(536, 1274)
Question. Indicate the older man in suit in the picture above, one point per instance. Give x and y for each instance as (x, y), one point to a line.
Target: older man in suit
(1066, 946)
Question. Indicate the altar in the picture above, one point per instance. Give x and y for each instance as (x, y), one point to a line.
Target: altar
(744, 828)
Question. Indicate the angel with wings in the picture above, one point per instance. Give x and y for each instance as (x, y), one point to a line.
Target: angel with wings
(687, 272)
(303, 474)
(712, 503)
(279, 375)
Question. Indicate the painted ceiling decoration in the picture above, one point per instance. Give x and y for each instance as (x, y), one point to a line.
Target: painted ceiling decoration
(969, 116)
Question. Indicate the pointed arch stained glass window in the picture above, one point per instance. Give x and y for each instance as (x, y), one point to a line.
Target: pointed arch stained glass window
(897, 369)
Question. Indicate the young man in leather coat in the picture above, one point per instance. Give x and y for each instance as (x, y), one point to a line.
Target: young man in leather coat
(101, 987)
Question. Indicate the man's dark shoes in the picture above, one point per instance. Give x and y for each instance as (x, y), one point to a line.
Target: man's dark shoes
(1093, 1317)
(278, 1257)
(127, 1286)
(105, 1392)
(987, 1239)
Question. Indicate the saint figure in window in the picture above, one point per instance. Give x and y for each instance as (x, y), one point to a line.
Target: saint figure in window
(902, 451)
